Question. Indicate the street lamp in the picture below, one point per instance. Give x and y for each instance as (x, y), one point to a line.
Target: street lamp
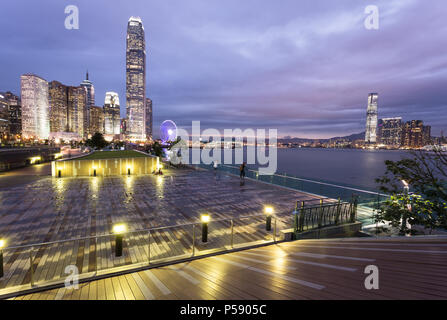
(205, 218)
(2, 245)
(268, 210)
(119, 230)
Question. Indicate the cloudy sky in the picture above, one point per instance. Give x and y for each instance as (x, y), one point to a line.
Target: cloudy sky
(304, 67)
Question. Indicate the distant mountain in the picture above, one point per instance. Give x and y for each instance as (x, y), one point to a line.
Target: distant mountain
(352, 137)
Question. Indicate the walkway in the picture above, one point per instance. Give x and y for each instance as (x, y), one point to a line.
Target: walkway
(413, 268)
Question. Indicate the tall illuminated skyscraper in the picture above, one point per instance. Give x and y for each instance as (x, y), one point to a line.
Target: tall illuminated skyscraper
(136, 80)
(90, 91)
(371, 119)
(112, 119)
(35, 107)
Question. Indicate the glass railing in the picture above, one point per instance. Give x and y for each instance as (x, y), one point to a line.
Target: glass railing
(368, 201)
(53, 263)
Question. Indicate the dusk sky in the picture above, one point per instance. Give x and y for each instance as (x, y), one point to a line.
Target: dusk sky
(304, 67)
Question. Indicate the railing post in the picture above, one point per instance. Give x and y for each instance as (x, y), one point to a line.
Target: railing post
(193, 239)
(320, 215)
(301, 220)
(149, 249)
(337, 217)
(295, 218)
(274, 230)
(232, 232)
(31, 266)
(1, 263)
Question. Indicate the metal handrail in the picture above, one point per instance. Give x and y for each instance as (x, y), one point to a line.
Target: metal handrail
(124, 233)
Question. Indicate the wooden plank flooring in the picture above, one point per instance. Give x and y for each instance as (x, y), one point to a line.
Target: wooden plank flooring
(52, 209)
(409, 268)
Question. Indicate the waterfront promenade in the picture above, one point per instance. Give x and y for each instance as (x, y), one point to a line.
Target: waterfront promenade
(409, 268)
(55, 209)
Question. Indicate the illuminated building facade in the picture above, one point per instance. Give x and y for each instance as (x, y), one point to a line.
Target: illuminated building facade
(112, 119)
(96, 120)
(58, 99)
(371, 118)
(415, 134)
(77, 103)
(148, 118)
(90, 100)
(35, 107)
(136, 80)
(4, 118)
(390, 131)
(15, 112)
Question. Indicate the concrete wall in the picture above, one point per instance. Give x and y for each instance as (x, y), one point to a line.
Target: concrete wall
(104, 167)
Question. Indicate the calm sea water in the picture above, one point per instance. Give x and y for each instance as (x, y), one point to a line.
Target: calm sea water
(348, 167)
(352, 167)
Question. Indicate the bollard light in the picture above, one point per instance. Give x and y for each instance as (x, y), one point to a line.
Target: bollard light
(268, 219)
(2, 245)
(59, 173)
(205, 218)
(128, 171)
(119, 230)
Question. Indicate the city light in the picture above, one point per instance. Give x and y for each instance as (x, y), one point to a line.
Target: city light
(205, 218)
(35, 159)
(268, 210)
(2, 243)
(119, 228)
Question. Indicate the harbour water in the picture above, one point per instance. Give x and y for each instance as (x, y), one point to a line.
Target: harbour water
(346, 167)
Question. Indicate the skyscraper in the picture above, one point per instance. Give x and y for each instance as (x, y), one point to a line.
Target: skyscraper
(90, 91)
(15, 112)
(96, 120)
(371, 119)
(35, 107)
(77, 98)
(112, 119)
(58, 106)
(148, 118)
(415, 134)
(390, 131)
(136, 80)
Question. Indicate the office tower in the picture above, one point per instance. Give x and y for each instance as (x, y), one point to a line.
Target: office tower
(15, 112)
(135, 80)
(371, 119)
(35, 107)
(112, 119)
(4, 118)
(148, 118)
(58, 100)
(90, 91)
(390, 131)
(77, 101)
(96, 120)
(415, 134)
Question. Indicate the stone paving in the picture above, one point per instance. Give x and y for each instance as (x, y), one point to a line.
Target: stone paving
(53, 209)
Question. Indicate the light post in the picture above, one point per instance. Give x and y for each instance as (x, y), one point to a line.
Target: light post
(119, 230)
(205, 218)
(2, 245)
(268, 219)
(407, 206)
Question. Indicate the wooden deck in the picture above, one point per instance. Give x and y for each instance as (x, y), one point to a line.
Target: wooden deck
(409, 268)
(52, 209)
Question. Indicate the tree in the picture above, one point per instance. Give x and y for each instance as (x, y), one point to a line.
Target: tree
(157, 149)
(97, 141)
(426, 174)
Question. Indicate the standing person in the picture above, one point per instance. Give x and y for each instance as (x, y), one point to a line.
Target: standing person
(242, 170)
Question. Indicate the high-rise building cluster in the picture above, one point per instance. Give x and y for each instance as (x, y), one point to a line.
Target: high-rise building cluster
(52, 110)
(393, 132)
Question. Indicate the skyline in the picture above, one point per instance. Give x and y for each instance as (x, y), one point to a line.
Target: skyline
(230, 72)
